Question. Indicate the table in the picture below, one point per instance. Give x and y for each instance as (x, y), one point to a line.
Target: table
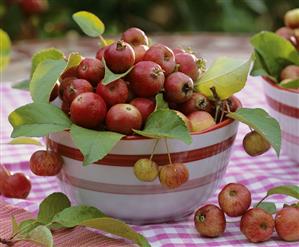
(259, 174)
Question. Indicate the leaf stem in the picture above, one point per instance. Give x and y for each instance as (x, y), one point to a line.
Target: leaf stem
(6, 242)
(154, 148)
(227, 106)
(103, 41)
(167, 149)
(222, 112)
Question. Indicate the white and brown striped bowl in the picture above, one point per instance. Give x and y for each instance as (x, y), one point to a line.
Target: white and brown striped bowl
(110, 184)
(284, 106)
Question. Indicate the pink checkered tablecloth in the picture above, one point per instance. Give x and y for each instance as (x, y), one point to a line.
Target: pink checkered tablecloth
(259, 174)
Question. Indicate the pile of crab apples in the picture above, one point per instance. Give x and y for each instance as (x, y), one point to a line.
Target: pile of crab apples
(125, 104)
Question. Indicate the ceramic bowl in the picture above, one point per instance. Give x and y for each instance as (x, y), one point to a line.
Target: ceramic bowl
(110, 184)
(284, 106)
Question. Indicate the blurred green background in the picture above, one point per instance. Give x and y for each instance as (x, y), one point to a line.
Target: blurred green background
(29, 19)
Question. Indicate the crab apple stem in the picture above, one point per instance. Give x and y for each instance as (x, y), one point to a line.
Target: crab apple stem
(4, 169)
(261, 201)
(169, 157)
(103, 41)
(222, 112)
(216, 113)
(6, 242)
(227, 106)
(154, 148)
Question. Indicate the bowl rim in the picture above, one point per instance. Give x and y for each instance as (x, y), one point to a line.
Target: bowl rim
(216, 126)
(273, 84)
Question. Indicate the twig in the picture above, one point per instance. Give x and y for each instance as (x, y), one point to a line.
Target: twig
(167, 149)
(154, 148)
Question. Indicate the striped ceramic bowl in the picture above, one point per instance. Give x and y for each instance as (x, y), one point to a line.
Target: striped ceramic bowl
(110, 184)
(284, 106)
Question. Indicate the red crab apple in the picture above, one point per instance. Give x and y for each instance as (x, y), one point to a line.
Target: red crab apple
(45, 163)
(257, 225)
(119, 57)
(288, 34)
(65, 107)
(173, 175)
(71, 72)
(135, 36)
(74, 88)
(178, 87)
(139, 50)
(287, 223)
(197, 102)
(64, 83)
(113, 93)
(254, 144)
(187, 64)
(91, 69)
(210, 221)
(123, 118)
(54, 92)
(34, 6)
(100, 53)
(234, 199)
(145, 106)
(4, 173)
(178, 50)
(88, 110)
(291, 18)
(146, 79)
(201, 120)
(161, 55)
(16, 186)
(290, 72)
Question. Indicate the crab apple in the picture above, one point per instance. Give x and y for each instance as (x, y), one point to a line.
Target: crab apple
(173, 175)
(234, 199)
(65, 107)
(119, 57)
(185, 119)
(16, 186)
(178, 87)
(123, 118)
(145, 106)
(146, 79)
(139, 50)
(146, 170)
(54, 92)
(75, 88)
(210, 221)
(291, 18)
(257, 225)
(34, 6)
(63, 86)
(187, 64)
(131, 94)
(91, 69)
(287, 223)
(135, 36)
(4, 173)
(201, 120)
(45, 163)
(161, 55)
(88, 110)
(178, 50)
(100, 53)
(287, 33)
(290, 72)
(113, 93)
(197, 102)
(254, 144)
(71, 72)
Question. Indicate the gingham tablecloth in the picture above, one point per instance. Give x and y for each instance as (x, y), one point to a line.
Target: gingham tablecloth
(259, 174)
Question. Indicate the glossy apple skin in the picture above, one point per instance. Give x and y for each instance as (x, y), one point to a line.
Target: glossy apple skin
(71, 72)
(74, 88)
(135, 36)
(146, 79)
(88, 110)
(178, 87)
(201, 120)
(123, 118)
(210, 221)
(234, 199)
(145, 107)
(187, 64)
(290, 72)
(161, 55)
(254, 144)
(119, 57)
(287, 223)
(45, 163)
(100, 53)
(257, 225)
(92, 70)
(178, 50)
(140, 51)
(291, 18)
(16, 186)
(173, 175)
(114, 93)
(197, 102)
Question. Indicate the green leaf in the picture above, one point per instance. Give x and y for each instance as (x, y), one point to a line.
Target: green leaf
(45, 54)
(165, 123)
(94, 145)
(269, 207)
(118, 228)
(110, 76)
(41, 235)
(5, 49)
(160, 102)
(290, 84)
(14, 224)
(27, 226)
(227, 75)
(289, 190)
(38, 119)
(259, 120)
(22, 85)
(44, 78)
(259, 67)
(25, 140)
(52, 205)
(277, 55)
(89, 23)
(74, 60)
(73, 216)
